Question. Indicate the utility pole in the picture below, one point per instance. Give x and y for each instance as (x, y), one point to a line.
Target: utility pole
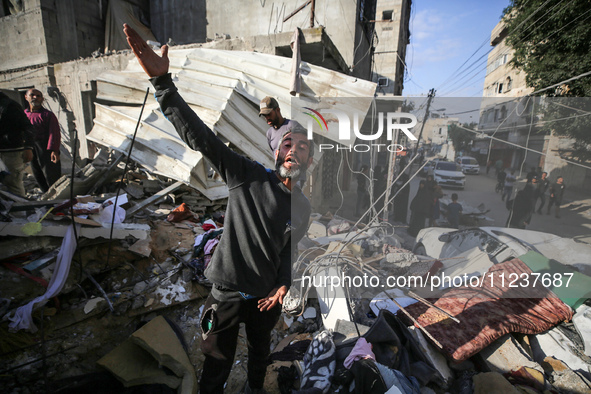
(391, 173)
(430, 97)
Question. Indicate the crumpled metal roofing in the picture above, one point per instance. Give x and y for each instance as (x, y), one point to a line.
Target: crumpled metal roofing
(224, 88)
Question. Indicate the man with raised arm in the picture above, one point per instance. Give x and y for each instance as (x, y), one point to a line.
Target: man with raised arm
(251, 267)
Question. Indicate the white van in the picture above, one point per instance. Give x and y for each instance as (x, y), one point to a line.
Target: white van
(469, 165)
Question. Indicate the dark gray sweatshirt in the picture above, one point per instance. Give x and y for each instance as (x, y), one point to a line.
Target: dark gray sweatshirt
(264, 220)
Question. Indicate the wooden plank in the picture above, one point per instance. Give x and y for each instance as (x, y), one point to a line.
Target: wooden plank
(154, 198)
(13, 197)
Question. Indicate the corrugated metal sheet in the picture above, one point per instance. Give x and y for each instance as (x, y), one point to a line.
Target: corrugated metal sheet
(224, 88)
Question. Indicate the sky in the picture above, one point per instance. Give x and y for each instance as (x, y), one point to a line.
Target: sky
(444, 35)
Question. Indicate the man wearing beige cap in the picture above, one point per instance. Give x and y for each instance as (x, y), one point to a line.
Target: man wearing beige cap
(279, 125)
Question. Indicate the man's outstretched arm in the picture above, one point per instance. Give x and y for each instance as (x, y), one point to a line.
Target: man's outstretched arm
(152, 64)
(231, 166)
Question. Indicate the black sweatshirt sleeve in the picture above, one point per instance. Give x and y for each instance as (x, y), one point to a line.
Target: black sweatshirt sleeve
(232, 167)
(16, 132)
(300, 215)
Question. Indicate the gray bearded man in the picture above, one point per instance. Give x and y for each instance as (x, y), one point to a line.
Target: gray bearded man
(251, 267)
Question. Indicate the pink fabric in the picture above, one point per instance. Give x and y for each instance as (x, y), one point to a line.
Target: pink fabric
(361, 350)
(46, 127)
(210, 245)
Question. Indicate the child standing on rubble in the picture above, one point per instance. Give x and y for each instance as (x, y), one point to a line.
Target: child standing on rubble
(454, 211)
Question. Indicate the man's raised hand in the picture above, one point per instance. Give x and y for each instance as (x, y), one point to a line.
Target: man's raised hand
(152, 64)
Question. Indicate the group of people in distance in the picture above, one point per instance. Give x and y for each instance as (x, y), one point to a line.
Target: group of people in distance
(537, 187)
(425, 206)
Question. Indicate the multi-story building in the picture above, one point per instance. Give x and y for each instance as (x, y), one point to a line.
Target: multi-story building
(511, 117)
(506, 111)
(392, 36)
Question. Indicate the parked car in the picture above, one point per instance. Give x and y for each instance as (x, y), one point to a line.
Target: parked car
(502, 244)
(428, 168)
(447, 173)
(469, 165)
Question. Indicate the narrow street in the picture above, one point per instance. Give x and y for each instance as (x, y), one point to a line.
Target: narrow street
(575, 221)
(575, 212)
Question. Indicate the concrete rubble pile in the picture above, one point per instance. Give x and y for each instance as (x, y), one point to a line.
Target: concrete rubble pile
(524, 355)
(119, 278)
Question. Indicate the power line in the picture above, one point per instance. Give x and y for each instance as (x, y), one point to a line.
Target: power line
(508, 49)
(562, 82)
(588, 73)
(486, 40)
(523, 147)
(475, 74)
(462, 65)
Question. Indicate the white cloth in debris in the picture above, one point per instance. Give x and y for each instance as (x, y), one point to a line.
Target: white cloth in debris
(106, 215)
(198, 239)
(22, 319)
(296, 58)
(361, 350)
(209, 221)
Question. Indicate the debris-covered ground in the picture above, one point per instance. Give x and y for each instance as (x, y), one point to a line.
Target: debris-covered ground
(125, 316)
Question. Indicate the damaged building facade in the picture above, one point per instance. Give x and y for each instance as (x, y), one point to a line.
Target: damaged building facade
(65, 66)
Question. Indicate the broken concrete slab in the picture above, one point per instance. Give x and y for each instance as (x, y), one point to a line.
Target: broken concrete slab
(556, 344)
(582, 322)
(133, 366)
(551, 365)
(142, 247)
(568, 381)
(120, 230)
(135, 190)
(61, 189)
(152, 199)
(492, 383)
(15, 247)
(435, 357)
(506, 355)
(159, 339)
(92, 304)
(316, 230)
